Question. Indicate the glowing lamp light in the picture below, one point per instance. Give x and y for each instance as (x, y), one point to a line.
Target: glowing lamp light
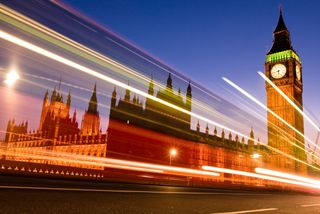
(256, 156)
(11, 78)
(173, 152)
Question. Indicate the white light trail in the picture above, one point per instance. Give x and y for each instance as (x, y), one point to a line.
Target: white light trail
(40, 156)
(289, 100)
(255, 175)
(286, 175)
(111, 163)
(269, 110)
(91, 72)
(249, 211)
(72, 46)
(96, 74)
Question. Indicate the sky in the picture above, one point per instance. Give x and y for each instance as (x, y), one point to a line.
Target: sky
(210, 39)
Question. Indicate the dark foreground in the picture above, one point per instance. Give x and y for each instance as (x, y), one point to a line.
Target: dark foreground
(50, 196)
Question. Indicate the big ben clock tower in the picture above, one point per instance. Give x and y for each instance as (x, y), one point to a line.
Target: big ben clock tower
(283, 68)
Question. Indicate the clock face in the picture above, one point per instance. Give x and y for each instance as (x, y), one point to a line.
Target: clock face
(278, 71)
(298, 72)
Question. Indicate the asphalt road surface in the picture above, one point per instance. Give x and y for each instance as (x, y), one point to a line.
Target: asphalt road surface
(32, 196)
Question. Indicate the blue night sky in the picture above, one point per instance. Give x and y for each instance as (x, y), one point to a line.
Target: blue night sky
(207, 40)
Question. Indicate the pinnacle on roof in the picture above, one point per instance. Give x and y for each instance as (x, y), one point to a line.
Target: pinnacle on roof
(169, 82)
(252, 133)
(93, 103)
(114, 93)
(281, 41)
(46, 95)
(69, 98)
(281, 26)
(189, 94)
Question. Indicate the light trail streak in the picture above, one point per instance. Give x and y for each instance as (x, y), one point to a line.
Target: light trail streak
(286, 175)
(255, 175)
(112, 163)
(63, 42)
(64, 83)
(161, 64)
(35, 156)
(57, 38)
(289, 101)
(132, 168)
(101, 105)
(96, 74)
(249, 211)
(161, 167)
(290, 156)
(89, 54)
(148, 167)
(269, 110)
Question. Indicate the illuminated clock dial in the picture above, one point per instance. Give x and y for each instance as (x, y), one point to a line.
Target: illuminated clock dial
(298, 72)
(278, 71)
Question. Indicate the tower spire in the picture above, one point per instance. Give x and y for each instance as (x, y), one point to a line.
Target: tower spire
(93, 103)
(169, 83)
(189, 93)
(114, 93)
(114, 97)
(54, 95)
(69, 99)
(281, 24)
(46, 95)
(281, 41)
(74, 118)
(189, 97)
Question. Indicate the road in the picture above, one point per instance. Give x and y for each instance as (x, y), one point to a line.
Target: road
(50, 196)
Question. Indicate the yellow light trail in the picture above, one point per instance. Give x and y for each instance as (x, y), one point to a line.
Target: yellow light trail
(155, 168)
(286, 175)
(289, 101)
(31, 155)
(96, 74)
(72, 64)
(255, 175)
(72, 46)
(269, 110)
(113, 163)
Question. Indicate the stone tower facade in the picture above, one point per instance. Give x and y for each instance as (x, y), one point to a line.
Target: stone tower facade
(283, 67)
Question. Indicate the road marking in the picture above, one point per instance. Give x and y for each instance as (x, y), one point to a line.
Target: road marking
(249, 211)
(310, 205)
(123, 191)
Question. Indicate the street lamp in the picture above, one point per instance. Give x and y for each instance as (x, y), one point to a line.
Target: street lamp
(11, 78)
(256, 156)
(173, 153)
